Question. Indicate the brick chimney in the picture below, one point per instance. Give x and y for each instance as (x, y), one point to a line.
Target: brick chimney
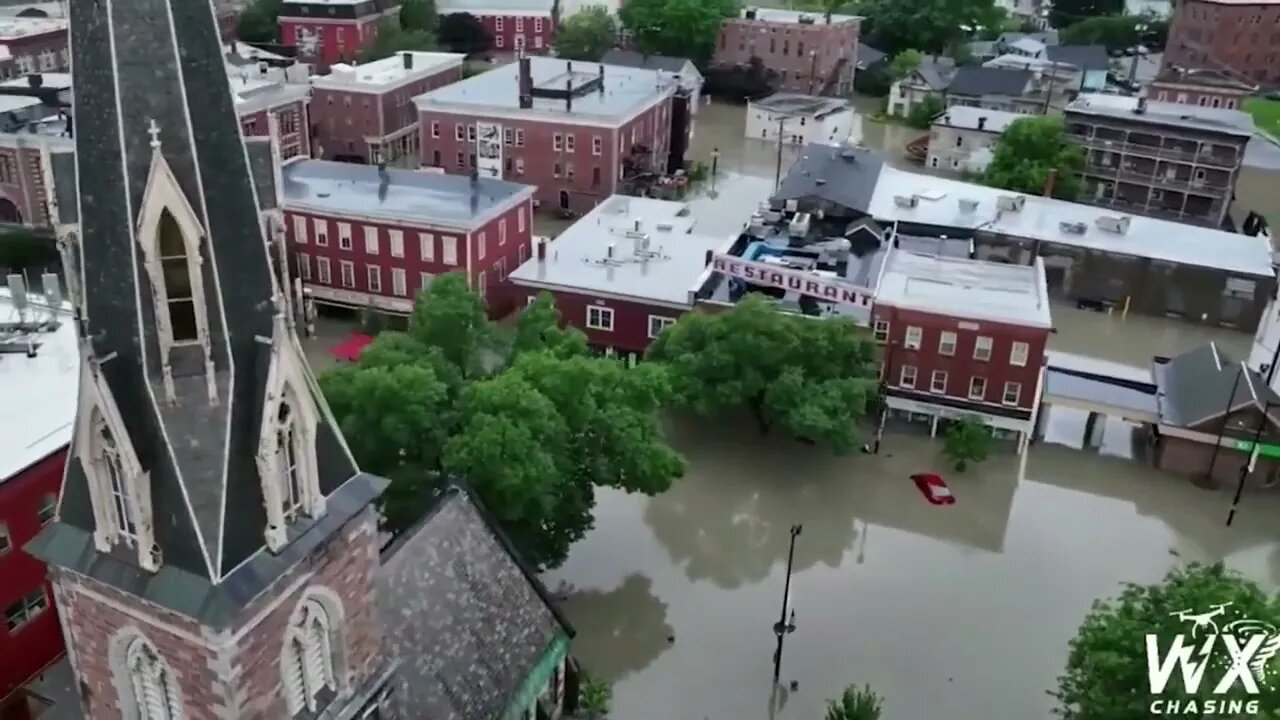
(408, 60)
(525, 82)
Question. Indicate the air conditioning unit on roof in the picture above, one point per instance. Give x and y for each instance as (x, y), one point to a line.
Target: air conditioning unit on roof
(1073, 228)
(1113, 224)
(906, 201)
(1012, 203)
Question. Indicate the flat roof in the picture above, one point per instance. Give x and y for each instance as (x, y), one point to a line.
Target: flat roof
(668, 273)
(964, 117)
(961, 287)
(777, 15)
(795, 104)
(1124, 107)
(12, 103)
(16, 28)
(938, 204)
(41, 392)
(387, 71)
(626, 90)
(55, 80)
(527, 8)
(419, 196)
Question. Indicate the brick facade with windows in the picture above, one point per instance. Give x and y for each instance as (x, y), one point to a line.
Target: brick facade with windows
(610, 323)
(328, 32)
(350, 252)
(1239, 38)
(292, 124)
(532, 31)
(811, 55)
(35, 45)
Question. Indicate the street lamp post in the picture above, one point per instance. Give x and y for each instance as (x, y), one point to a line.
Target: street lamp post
(777, 169)
(785, 626)
(1248, 467)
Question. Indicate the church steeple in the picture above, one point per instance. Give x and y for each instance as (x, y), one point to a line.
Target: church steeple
(203, 444)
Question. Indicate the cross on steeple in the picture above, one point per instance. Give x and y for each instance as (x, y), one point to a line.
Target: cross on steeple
(153, 130)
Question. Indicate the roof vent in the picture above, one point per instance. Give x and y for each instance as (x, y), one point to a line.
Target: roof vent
(805, 20)
(968, 205)
(1012, 203)
(793, 205)
(906, 201)
(1073, 228)
(800, 225)
(1113, 224)
(820, 181)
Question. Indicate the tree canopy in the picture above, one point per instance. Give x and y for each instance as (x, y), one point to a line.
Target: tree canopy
(1116, 32)
(259, 21)
(1027, 152)
(813, 379)
(392, 39)
(586, 35)
(1106, 677)
(1064, 13)
(532, 425)
(680, 28)
(904, 62)
(855, 703)
(419, 15)
(463, 33)
(930, 26)
(740, 82)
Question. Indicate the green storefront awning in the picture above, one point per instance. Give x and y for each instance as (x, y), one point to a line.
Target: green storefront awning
(1264, 449)
(537, 678)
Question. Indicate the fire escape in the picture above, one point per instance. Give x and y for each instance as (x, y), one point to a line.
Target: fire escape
(833, 77)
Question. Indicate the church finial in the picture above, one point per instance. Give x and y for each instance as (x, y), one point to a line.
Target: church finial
(153, 130)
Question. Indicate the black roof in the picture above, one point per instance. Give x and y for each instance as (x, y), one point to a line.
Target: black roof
(629, 58)
(839, 175)
(1085, 57)
(868, 56)
(972, 80)
(1204, 383)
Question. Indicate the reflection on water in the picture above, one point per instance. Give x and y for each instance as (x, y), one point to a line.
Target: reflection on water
(961, 611)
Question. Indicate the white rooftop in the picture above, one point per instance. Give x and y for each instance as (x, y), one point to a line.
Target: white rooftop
(16, 28)
(40, 392)
(388, 71)
(1223, 120)
(14, 103)
(960, 287)
(56, 80)
(961, 116)
(527, 8)
(776, 15)
(580, 259)
(939, 203)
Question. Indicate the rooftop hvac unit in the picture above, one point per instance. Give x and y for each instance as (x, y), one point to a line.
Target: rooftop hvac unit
(1113, 224)
(1073, 228)
(771, 216)
(1012, 203)
(967, 206)
(906, 201)
(793, 205)
(665, 227)
(800, 225)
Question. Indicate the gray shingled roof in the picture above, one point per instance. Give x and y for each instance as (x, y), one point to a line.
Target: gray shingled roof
(978, 81)
(466, 620)
(868, 56)
(936, 71)
(1194, 387)
(629, 58)
(843, 176)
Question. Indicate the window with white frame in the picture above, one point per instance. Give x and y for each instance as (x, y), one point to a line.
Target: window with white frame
(1018, 353)
(498, 23)
(482, 282)
(459, 132)
(291, 450)
(449, 250)
(399, 285)
(435, 129)
(48, 509)
(427, 247)
(482, 241)
(502, 231)
(520, 220)
(322, 271)
(344, 236)
(597, 145)
(6, 542)
(599, 318)
(907, 376)
(557, 142)
(304, 266)
(25, 609)
(370, 240)
(471, 133)
(569, 144)
(537, 24)
(424, 281)
(938, 381)
(321, 228)
(977, 388)
(658, 323)
(179, 290)
(307, 665)
(519, 24)
(348, 270)
(1012, 393)
(519, 137)
(982, 348)
(108, 464)
(300, 230)
(947, 343)
(155, 690)
(375, 278)
(881, 331)
(519, 166)
(395, 238)
(913, 338)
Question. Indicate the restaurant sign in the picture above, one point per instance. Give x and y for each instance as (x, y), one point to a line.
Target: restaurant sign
(805, 283)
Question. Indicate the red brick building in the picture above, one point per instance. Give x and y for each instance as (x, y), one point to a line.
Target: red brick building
(1239, 37)
(963, 338)
(365, 113)
(1202, 87)
(513, 25)
(623, 272)
(23, 187)
(328, 32)
(33, 45)
(573, 129)
(812, 56)
(33, 444)
(267, 93)
(363, 237)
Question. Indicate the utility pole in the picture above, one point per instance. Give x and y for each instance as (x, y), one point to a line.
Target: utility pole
(1213, 457)
(1253, 461)
(785, 626)
(777, 171)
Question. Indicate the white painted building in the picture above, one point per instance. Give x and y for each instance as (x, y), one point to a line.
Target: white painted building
(963, 138)
(803, 119)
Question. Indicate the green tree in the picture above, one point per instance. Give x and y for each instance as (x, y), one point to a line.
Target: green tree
(904, 62)
(450, 317)
(1106, 675)
(464, 33)
(586, 35)
(1028, 151)
(931, 26)
(1116, 32)
(419, 15)
(259, 21)
(539, 328)
(922, 113)
(813, 378)
(392, 39)
(595, 699)
(855, 704)
(1065, 13)
(682, 28)
(968, 441)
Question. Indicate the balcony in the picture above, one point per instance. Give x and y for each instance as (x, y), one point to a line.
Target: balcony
(1150, 179)
(1208, 218)
(1118, 146)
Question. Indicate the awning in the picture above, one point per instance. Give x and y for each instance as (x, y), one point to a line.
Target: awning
(351, 348)
(537, 678)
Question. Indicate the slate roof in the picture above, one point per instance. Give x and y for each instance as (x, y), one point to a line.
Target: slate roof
(1085, 57)
(936, 71)
(467, 620)
(1194, 387)
(979, 81)
(665, 63)
(841, 175)
(868, 56)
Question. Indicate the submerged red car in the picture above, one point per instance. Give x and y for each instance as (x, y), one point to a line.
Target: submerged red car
(934, 488)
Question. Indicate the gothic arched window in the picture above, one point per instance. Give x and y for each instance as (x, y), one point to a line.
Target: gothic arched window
(307, 663)
(289, 446)
(122, 504)
(155, 691)
(176, 273)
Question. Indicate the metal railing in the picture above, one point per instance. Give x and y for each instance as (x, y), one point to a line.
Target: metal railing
(1119, 146)
(1203, 187)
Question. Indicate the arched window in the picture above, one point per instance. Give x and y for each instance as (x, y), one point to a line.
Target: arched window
(176, 268)
(122, 505)
(290, 449)
(307, 664)
(155, 694)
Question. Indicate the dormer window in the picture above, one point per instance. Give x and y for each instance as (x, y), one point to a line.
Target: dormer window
(176, 268)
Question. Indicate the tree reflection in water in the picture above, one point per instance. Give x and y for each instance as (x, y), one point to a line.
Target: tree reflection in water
(620, 631)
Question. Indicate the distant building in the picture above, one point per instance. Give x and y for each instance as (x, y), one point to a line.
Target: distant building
(365, 113)
(39, 371)
(514, 25)
(328, 32)
(996, 88)
(690, 78)
(1202, 87)
(575, 130)
(803, 119)
(964, 138)
(930, 78)
(622, 273)
(1233, 36)
(368, 238)
(271, 96)
(963, 338)
(812, 54)
(1154, 158)
(33, 45)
